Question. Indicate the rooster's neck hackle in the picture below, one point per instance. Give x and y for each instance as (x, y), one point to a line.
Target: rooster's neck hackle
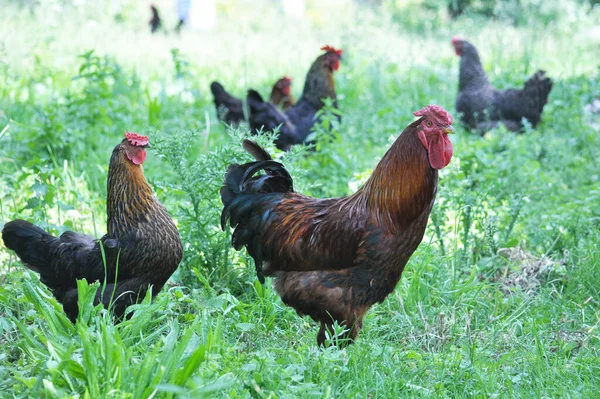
(129, 196)
(402, 186)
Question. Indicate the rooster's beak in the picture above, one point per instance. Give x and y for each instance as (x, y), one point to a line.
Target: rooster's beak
(449, 130)
(147, 146)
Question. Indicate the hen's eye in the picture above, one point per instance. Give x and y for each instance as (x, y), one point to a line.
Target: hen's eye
(428, 123)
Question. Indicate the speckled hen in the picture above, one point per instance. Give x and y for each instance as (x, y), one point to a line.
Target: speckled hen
(142, 246)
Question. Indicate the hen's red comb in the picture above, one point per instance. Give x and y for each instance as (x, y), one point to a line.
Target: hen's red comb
(287, 79)
(331, 49)
(457, 39)
(136, 139)
(436, 110)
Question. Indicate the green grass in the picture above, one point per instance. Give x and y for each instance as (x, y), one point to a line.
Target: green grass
(454, 327)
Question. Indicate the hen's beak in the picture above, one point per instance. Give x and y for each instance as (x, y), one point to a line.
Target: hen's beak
(449, 130)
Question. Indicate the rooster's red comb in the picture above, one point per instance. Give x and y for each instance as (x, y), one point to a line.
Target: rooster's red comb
(331, 49)
(136, 139)
(436, 110)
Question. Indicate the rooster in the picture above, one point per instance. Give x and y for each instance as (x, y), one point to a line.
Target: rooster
(231, 109)
(301, 116)
(332, 259)
(142, 247)
(482, 107)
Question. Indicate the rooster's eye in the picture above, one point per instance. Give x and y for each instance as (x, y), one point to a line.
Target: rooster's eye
(428, 123)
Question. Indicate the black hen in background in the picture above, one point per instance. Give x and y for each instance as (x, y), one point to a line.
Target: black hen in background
(269, 117)
(483, 107)
(229, 108)
(319, 85)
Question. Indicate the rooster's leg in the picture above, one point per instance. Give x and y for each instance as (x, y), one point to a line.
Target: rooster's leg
(344, 339)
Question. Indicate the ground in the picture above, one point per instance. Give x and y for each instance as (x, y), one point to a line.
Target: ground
(500, 300)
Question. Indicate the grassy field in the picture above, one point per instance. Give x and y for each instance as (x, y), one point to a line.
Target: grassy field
(500, 300)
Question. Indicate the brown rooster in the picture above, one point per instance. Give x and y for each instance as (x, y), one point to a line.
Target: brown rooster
(300, 117)
(231, 109)
(482, 107)
(142, 247)
(332, 259)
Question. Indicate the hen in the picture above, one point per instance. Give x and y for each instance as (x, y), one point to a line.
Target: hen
(142, 247)
(301, 116)
(281, 93)
(482, 107)
(332, 259)
(231, 109)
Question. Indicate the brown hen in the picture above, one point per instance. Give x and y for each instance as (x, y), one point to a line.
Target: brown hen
(142, 246)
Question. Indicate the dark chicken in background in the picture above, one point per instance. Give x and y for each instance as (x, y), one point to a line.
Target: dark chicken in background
(155, 22)
(332, 259)
(482, 107)
(231, 109)
(281, 93)
(299, 118)
(142, 239)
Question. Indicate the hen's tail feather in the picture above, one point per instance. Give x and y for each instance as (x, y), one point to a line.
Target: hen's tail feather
(537, 89)
(225, 101)
(29, 242)
(253, 98)
(218, 91)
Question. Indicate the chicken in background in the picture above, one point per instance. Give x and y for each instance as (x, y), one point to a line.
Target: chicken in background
(142, 246)
(281, 93)
(332, 259)
(231, 109)
(301, 116)
(272, 118)
(482, 107)
(155, 22)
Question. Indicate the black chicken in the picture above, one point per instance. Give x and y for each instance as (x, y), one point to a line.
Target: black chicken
(482, 107)
(231, 109)
(301, 116)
